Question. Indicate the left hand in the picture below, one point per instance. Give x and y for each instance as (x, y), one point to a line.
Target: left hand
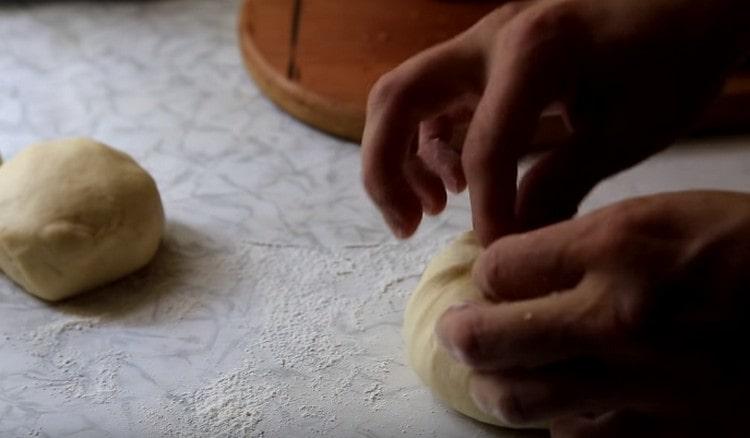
(629, 321)
(628, 75)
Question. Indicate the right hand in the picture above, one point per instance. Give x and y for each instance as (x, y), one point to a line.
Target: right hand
(625, 322)
(630, 76)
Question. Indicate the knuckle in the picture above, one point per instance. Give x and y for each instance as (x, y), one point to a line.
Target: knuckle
(544, 28)
(630, 316)
(511, 9)
(613, 239)
(507, 11)
(615, 232)
(617, 313)
(494, 21)
(390, 89)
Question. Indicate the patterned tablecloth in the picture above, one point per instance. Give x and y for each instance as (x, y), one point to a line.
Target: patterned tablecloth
(274, 306)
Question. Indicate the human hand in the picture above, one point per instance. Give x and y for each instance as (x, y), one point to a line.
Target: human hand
(629, 321)
(628, 75)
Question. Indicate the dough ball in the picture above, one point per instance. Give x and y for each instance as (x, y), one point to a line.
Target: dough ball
(75, 214)
(446, 281)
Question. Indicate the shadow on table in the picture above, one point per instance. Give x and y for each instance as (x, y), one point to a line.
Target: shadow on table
(168, 271)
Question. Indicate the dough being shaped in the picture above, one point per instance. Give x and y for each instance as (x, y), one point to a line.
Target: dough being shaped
(446, 281)
(75, 214)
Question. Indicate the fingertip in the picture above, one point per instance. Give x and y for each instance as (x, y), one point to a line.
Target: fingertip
(455, 331)
(398, 203)
(458, 182)
(452, 186)
(453, 176)
(436, 205)
(403, 223)
(433, 196)
(427, 186)
(498, 399)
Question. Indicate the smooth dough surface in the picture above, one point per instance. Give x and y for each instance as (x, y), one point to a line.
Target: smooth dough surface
(445, 282)
(75, 214)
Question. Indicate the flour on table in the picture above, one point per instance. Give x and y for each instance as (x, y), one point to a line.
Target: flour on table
(64, 369)
(47, 338)
(307, 357)
(251, 339)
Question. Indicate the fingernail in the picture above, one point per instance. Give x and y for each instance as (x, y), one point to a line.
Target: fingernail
(460, 306)
(396, 226)
(498, 401)
(443, 338)
(399, 232)
(488, 407)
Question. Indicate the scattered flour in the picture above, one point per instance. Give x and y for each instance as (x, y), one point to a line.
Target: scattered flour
(90, 378)
(64, 367)
(317, 335)
(46, 339)
(309, 360)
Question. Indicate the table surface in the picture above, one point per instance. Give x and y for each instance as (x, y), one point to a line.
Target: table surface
(274, 306)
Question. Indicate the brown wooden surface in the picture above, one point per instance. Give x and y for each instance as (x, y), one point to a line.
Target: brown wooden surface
(345, 45)
(268, 23)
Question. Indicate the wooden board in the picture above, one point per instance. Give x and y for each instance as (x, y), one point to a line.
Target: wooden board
(343, 46)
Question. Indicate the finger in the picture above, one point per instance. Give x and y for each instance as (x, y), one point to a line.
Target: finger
(523, 81)
(418, 89)
(528, 265)
(438, 155)
(553, 130)
(426, 185)
(441, 139)
(524, 397)
(524, 402)
(553, 188)
(530, 333)
(451, 121)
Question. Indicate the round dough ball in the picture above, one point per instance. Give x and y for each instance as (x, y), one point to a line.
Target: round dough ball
(75, 214)
(446, 281)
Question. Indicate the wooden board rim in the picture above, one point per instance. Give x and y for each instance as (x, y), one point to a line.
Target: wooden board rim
(342, 120)
(347, 121)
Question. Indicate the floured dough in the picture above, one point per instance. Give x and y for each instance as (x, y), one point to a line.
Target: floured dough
(446, 281)
(75, 214)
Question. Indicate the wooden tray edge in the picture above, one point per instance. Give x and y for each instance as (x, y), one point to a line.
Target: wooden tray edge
(340, 120)
(725, 113)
